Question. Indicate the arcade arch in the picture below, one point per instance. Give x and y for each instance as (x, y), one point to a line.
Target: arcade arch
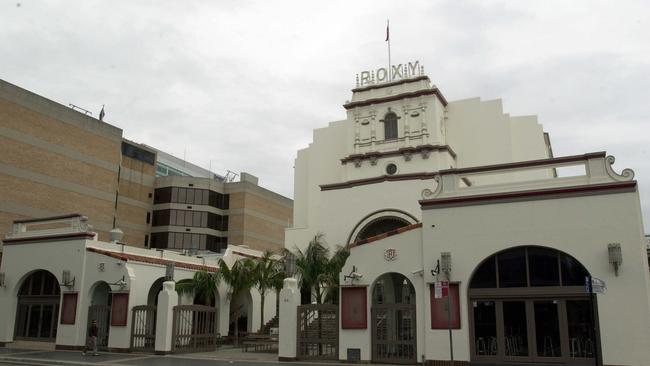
(100, 310)
(37, 312)
(528, 304)
(393, 320)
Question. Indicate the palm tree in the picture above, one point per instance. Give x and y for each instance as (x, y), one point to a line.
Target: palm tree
(311, 264)
(239, 278)
(202, 286)
(330, 280)
(265, 273)
(318, 271)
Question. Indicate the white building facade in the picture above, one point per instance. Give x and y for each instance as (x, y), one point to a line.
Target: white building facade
(461, 232)
(56, 277)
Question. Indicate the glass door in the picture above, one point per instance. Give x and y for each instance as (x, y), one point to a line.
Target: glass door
(547, 329)
(515, 330)
(580, 326)
(485, 329)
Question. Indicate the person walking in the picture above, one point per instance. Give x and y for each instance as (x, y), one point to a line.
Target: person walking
(92, 338)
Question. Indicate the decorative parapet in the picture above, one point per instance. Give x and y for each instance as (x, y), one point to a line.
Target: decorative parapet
(49, 227)
(405, 152)
(508, 180)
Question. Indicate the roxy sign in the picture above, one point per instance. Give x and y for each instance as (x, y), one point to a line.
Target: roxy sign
(397, 72)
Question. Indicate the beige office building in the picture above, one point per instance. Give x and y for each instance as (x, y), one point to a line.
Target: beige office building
(55, 160)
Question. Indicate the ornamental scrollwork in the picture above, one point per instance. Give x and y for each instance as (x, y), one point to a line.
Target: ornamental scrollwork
(626, 174)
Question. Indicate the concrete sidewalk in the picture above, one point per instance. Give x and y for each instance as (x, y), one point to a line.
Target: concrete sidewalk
(224, 356)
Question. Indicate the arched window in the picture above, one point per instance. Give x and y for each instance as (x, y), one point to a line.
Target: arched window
(529, 304)
(390, 126)
(380, 226)
(529, 267)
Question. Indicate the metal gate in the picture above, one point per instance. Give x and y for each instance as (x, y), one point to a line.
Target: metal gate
(394, 333)
(102, 314)
(143, 328)
(318, 332)
(194, 329)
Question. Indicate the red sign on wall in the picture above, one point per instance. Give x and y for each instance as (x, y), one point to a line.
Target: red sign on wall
(439, 314)
(120, 309)
(354, 308)
(69, 308)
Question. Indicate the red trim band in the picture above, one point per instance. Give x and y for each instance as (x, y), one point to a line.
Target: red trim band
(58, 237)
(67, 216)
(525, 164)
(379, 179)
(399, 152)
(393, 83)
(415, 94)
(530, 194)
(140, 258)
(386, 234)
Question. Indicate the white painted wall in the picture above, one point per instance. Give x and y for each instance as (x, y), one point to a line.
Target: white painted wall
(479, 132)
(581, 227)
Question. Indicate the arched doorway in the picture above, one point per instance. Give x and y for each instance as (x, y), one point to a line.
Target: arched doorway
(394, 332)
(154, 290)
(529, 304)
(100, 311)
(37, 313)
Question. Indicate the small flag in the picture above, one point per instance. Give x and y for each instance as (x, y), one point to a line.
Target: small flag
(102, 114)
(387, 32)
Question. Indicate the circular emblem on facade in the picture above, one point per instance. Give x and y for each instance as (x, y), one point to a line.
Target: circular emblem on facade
(390, 254)
(391, 169)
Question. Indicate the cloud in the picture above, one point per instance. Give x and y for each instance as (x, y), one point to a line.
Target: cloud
(242, 85)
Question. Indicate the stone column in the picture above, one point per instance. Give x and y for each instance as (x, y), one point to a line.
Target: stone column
(167, 299)
(289, 301)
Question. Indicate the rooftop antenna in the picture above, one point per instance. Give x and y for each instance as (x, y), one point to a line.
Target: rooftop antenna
(230, 176)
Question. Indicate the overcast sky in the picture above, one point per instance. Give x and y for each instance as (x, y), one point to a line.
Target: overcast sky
(241, 85)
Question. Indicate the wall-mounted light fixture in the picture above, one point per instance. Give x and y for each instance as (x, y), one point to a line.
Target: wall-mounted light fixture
(67, 282)
(445, 262)
(2, 279)
(121, 283)
(615, 256)
(354, 275)
(442, 265)
(436, 269)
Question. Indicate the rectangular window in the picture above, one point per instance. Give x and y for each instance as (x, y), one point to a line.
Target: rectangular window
(188, 218)
(137, 153)
(190, 196)
(196, 219)
(205, 199)
(182, 195)
(146, 241)
(174, 195)
(163, 195)
(224, 223)
(178, 240)
(439, 312)
(148, 220)
(180, 218)
(198, 196)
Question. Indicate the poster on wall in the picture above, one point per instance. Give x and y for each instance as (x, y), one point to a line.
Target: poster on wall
(354, 309)
(120, 309)
(439, 314)
(69, 308)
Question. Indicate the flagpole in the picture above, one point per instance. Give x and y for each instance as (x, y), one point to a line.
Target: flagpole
(390, 72)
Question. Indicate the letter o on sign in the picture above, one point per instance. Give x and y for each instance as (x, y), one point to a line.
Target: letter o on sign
(382, 74)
